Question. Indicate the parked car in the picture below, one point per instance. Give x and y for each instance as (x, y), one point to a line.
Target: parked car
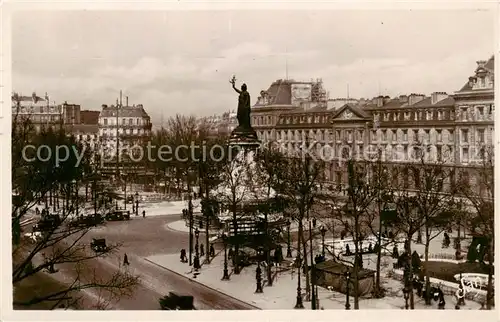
(118, 215)
(98, 245)
(174, 301)
(47, 223)
(87, 221)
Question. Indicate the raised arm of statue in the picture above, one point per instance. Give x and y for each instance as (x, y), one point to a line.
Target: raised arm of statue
(233, 82)
(237, 90)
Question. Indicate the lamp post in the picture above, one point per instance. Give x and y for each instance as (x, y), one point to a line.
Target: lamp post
(323, 232)
(288, 248)
(76, 195)
(196, 246)
(347, 275)
(225, 276)
(258, 277)
(299, 304)
(137, 204)
(406, 294)
(196, 263)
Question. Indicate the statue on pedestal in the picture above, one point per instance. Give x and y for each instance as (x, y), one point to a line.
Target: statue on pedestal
(244, 129)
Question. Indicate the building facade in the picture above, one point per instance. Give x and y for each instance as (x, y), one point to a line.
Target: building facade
(40, 111)
(454, 128)
(123, 127)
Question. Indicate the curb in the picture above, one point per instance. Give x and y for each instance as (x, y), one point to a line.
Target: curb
(176, 230)
(199, 283)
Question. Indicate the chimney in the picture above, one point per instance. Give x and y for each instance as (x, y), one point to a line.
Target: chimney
(415, 98)
(438, 97)
(121, 98)
(379, 101)
(403, 98)
(126, 100)
(472, 81)
(386, 99)
(104, 106)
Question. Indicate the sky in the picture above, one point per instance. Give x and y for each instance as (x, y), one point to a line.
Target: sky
(181, 61)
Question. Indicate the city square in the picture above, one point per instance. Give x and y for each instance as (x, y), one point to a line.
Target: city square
(280, 197)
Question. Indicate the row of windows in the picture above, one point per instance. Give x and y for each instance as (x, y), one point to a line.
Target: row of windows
(418, 115)
(400, 135)
(476, 113)
(125, 121)
(112, 132)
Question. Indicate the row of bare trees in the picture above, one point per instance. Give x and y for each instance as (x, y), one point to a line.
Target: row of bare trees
(424, 197)
(39, 181)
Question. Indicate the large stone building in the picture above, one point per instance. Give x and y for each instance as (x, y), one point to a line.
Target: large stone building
(454, 127)
(123, 126)
(40, 111)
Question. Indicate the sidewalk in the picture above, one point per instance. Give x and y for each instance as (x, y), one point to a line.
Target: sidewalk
(282, 295)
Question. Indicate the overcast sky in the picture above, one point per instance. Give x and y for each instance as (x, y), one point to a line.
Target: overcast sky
(181, 62)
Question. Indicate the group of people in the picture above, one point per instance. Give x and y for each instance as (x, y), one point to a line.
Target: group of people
(211, 253)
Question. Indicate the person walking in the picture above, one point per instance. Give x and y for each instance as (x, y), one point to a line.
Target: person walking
(125, 260)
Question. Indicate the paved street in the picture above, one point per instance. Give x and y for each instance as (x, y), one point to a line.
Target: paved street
(143, 237)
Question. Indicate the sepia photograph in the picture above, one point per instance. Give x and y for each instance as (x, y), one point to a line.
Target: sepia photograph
(252, 159)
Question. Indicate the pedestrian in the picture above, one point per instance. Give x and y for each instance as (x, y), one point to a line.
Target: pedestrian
(125, 260)
(202, 250)
(212, 251)
(144, 214)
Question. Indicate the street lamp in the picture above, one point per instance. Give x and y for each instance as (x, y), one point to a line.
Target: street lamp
(288, 248)
(137, 204)
(196, 262)
(196, 246)
(323, 232)
(299, 304)
(76, 195)
(225, 277)
(406, 294)
(258, 277)
(347, 275)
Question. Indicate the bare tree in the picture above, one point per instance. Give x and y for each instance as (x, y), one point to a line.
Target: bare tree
(480, 194)
(298, 183)
(269, 164)
(434, 203)
(54, 241)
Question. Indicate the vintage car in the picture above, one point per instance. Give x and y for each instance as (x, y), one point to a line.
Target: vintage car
(47, 223)
(118, 215)
(174, 301)
(87, 221)
(98, 245)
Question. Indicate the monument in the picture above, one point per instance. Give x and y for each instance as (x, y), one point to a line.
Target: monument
(243, 134)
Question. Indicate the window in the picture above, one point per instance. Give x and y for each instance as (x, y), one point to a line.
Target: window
(105, 121)
(480, 112)
(349, 135)
(360, 135)
(384, 135)
(123, 121)
(440, 115)
(407, 116)
(427, 135)
(465, 136)
(464, 113)
(439, 153)
(439, 137)
(451, 135)
(465, 155)
(480, 135)
(405, 135)
(129, 121)
(338, 134)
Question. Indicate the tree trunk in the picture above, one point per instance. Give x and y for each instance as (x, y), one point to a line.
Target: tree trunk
(410, 273)
(236, 244)
(268, 253)
(378, 291)
(304, 247)
(489, 289)
(356, 263)
(426, 271)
